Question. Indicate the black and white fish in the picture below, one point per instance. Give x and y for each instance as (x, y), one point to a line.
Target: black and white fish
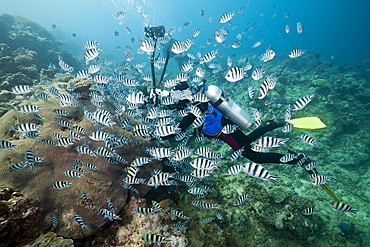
(309, 211)
(296, 53)
(61, 184)
(65, 142)
(205, 205)
(82, 74)
(241, 199)
(120, 15)
(235, 74)
(91, 54)
(72, 174)
(21, 89)
(147, 46)
(235, 169)
(251, 91)
(27, 108)
(236, 154)
(17, 166)
(79, 220)
(208, 57)
(343, 207)
(108, 214)
(270, 142)
(178, 47)
(25, 127)
(84, 150)
(229, 128)
(288, 115)
(258, 171)
(32, 135)
(154, 238)
(310, 166)
(64, 65)
(7, 145)
(257, 73)
(204, 164)
(179, 214)
(226, 17)
(90, 166)
(100, 79)
(91, 44)
(207, 220)
(302, 102)
(287, 158)
(263, 89)
(54, 220)
(320, 179)
(268, 55)
(307, 139)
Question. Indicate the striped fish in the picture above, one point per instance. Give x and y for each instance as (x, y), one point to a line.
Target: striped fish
(208, 57)
(270, 142)
(202, 163)
(142, 210)
(235, 74)
(147, 46)
(6, 144)
(236, 154)
(166, 130)
(91, 54)
(343, 207)
(309, 211)
(178, 47)
(64, 65)
(320, 179)
(307, 139)
(100, 79)
(25, 127)
(302, 102)
(72, 174)
(288, 128)
(233, 170)
(108, 214)
(91, 44)
(78, 168)
(90, 166)
(28, 108)
(79, 220)
(257, 73)
(17, 166)
(263, 89)
(82, 74)
(61, 184)
(296, 53)
(65, 142)
(226, 17)
(251, 91)
(205, 205)
(84, 150)
(241, 199)
(207, 220)
(154, 238)
(287, 158)
(160, 153)
(21, 89)
(258, 171)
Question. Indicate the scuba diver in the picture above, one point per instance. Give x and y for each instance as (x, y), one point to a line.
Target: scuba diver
(219, 111)
(215, 122)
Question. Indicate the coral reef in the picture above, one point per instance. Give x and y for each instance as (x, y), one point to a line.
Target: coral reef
(17, 217)
(50, 239)
(36, 185)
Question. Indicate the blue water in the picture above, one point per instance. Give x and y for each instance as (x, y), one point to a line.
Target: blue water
(335, 29)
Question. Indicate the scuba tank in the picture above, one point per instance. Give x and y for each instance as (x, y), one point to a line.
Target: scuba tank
(228, 107)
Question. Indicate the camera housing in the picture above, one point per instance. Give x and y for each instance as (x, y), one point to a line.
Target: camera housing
(154, 32)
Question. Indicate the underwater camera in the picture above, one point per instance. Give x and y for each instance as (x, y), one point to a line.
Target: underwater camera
(154, 32)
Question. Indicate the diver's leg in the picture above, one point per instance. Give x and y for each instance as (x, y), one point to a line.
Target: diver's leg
(260, 131)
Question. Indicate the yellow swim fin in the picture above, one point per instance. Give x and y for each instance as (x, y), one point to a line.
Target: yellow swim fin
(307, 123)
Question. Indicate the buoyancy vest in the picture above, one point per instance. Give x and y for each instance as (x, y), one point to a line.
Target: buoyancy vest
(212, 124)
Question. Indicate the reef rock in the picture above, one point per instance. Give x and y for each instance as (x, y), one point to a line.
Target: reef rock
(17, 218)
(36, 184)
